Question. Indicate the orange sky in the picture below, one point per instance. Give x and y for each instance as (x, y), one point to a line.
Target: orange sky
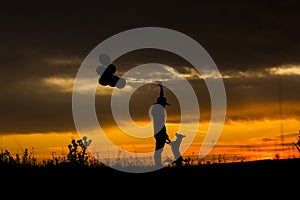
(238, 141)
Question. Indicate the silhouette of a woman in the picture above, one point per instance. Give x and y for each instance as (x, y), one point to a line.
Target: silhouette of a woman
(158, 114)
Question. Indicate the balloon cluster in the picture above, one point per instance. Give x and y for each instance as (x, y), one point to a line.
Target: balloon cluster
(107, 73)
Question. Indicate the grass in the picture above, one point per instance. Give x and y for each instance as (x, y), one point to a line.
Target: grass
(78, 167)
(72, 179)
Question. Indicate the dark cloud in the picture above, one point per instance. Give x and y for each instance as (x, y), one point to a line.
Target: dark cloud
(41, 40)
(34, 108)
(236, 34)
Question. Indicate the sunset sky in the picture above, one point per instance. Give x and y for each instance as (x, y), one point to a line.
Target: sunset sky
(254, 44)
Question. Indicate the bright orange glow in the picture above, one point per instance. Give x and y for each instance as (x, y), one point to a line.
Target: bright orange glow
(41, 146)
(239, 141)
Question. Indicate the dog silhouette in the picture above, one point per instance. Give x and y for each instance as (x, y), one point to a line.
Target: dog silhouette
(178, 160)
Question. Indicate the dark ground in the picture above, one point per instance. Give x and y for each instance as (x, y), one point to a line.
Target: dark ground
(265, 177)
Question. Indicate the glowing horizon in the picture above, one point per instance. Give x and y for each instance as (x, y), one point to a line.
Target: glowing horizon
(257, 140)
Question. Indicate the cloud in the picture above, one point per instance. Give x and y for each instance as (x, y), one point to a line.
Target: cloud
(191, 73)
(65, 85)
(251, 50)
(32, 103)
(63, 61)
(285, 70)
(288, 70)
(62, 84)
(247, 93)
(240, 74)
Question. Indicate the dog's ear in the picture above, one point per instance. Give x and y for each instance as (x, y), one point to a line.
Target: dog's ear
(180, 135)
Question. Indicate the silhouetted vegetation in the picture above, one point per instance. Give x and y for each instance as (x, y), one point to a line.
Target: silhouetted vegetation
(77, 156)
(80, 163)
